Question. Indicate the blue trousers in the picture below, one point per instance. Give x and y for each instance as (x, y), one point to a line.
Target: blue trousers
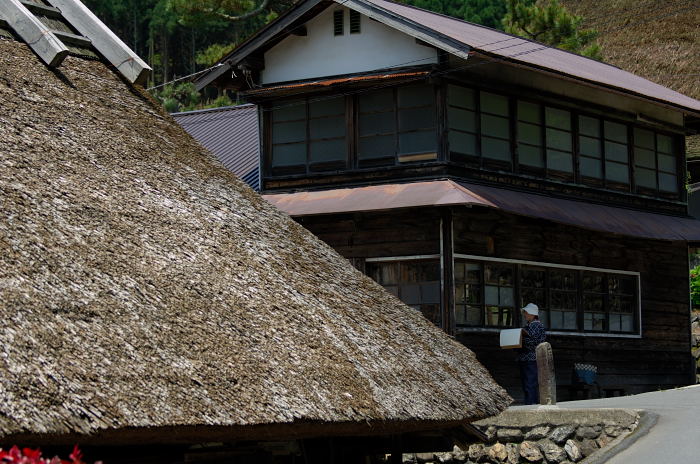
(528, 377)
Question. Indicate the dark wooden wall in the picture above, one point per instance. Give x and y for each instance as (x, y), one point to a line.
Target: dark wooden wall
(660, 359)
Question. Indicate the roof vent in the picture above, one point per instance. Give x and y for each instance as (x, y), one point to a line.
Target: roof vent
(338, 22)
(355, 22)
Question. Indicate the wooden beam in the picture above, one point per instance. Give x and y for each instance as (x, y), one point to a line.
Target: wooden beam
(133, 68)
(41, 9)
(31, 30)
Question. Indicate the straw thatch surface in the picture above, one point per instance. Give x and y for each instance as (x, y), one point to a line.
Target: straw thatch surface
(142, 285)
(655, 39)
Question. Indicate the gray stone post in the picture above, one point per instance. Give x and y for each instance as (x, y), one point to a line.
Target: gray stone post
(545, 374)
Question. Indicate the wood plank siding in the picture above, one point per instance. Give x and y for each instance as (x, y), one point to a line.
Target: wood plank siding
(660, 358)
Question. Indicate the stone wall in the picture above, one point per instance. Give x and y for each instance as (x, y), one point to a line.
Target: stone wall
(546, 436)
(695, 342)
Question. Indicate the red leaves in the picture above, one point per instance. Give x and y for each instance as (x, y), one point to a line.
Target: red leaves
(33, 456)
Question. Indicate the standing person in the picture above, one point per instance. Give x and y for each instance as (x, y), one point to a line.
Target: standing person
(533, 335)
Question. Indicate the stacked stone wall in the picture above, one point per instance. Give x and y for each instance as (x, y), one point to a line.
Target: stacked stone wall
(544, 437)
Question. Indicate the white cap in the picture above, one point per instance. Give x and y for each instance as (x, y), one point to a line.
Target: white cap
(532, 308)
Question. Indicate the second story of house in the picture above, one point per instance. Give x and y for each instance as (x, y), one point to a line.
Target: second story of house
(359, 92)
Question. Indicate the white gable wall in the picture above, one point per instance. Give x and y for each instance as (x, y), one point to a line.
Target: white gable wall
(321, 54)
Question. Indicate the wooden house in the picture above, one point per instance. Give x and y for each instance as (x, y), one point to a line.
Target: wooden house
(156, 309)
(469, 172)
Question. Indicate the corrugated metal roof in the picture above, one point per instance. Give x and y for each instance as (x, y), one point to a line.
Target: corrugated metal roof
(515, 48)
(449, 193)
(231, 134)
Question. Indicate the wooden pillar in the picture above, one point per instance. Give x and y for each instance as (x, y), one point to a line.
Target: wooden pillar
(447, 262)
(545, 374)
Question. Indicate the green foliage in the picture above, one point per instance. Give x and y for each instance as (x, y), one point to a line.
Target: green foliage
(695, 286)
(223, 100)
(549, 22)
(178, 97)
(213, 53)
(487, 12)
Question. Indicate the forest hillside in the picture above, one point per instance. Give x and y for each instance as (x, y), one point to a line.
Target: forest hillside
(656, 39)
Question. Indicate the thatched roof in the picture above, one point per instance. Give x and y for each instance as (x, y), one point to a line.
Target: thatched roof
(656, 39)
(143, 287)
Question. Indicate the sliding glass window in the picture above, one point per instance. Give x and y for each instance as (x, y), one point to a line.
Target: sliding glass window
(308, 136)
(491, 293)
(655, 164)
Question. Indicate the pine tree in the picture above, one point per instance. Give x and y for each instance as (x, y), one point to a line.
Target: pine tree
(549, 22)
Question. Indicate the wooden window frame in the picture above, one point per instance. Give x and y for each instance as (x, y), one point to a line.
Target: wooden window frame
(519, 264)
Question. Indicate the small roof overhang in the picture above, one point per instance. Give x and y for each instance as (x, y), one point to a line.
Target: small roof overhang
(449, 193)
(341, 81)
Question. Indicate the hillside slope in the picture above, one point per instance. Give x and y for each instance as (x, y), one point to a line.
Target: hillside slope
(656, 39)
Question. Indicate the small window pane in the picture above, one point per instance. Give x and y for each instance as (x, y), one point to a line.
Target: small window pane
(555, 117)
(327, 107)
(589, 146)
(418, 142)
(616, 132)
(460, 96)
(591, 168)
(417, 118)
(382, 100)
(529, 133)
(617, 172)
(495, 149)
(505, 296)
(529, 112)
(464, 120)
(286, 132)
(668, 182)
(430, 292)
(494, 126)
(462, 143)
(289, 155)
(377, 123)
(384, 273)
(560, 161)
(327, 128)
(328, 150)
(589, 126)
(530, 156)
(667, 163)
(616, 152)
(415, 95)
(495, 104)
(380, 146)
(643, 138)
(559, 140)
(289, 111)
(646, 178)
(664, 143)
(491, 295)
(645, 158)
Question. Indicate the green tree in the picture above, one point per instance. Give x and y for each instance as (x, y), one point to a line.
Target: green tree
(695, 286)
(549, 22)
(487, 12)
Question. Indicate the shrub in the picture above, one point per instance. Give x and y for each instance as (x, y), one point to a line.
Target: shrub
(695, 286)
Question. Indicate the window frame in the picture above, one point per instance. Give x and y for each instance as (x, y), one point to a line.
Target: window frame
(637, 313)
(575, 114)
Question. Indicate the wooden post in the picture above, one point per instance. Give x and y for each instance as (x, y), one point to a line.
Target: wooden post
(545, 374)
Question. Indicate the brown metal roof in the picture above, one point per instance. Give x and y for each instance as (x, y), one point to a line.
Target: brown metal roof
(449, 193)
(513, 48)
